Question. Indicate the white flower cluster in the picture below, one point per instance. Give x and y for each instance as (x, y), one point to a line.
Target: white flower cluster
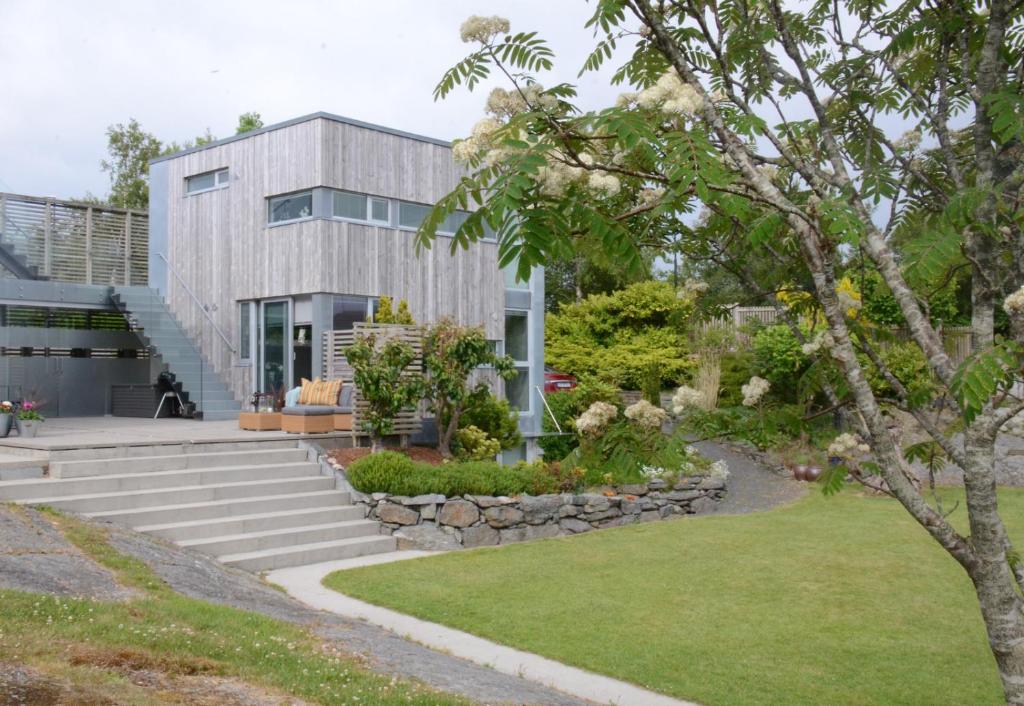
(646, 415)
(607, 183)
(505, 104)
(596, 418)
(909, 141)
(685, 398)
(719, 470)
(754, 390)
(480, 139)
(823, 339)
(1014, 304)
(483, 29)
(848, 446)
(651, 472)
(650, 197)
(692, 289)
(669, 94)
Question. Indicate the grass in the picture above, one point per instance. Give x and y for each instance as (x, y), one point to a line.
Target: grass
(177, 635)
(838, 600)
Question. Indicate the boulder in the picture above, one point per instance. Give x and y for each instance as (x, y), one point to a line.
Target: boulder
(681, 496)
(702, 505)
(571, 524)
(428, 512)
(631, 507)
(396, 514)
(634, 489)
(539, 508)
(650, 516)
(431, 499)
(486, 501)
(603, 515)
(568, 511)
(525, 534)
(427, 537)
(686, 483)
(503, 516)
(458, 513)
(656, 484)
(479, 536)
(712, 484)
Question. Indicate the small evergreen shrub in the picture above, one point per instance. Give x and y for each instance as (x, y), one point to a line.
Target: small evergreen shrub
(397, 474)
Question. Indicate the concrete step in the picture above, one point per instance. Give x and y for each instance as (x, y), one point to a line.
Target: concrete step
(225, 509)
(301, 554)
(99, 502)
(168, 449)
(283, 538)
(257, 522)
(219, 415)
(175, 462)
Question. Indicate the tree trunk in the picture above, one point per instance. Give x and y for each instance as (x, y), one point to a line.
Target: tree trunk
(376, 443)
(1002, 607)
(445, 435)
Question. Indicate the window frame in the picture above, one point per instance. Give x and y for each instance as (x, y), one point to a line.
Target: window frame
(218, 183)
(245, 321)
(520, 366)
(292, 194)
(369, 200)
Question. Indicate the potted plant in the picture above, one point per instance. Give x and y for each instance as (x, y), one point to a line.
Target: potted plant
(29, 419)
(6, 418)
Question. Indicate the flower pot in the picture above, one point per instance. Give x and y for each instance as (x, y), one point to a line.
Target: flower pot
(800, 472)
(812, 474)
(28, 428)
(6, 423)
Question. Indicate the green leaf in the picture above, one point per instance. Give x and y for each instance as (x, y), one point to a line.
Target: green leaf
(979, 378)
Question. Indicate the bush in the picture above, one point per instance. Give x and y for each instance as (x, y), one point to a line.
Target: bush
(566, 406)
(779, 359)
(907, 362)
(397, 474)
(473, 444)
(736, 371)
(492, 415)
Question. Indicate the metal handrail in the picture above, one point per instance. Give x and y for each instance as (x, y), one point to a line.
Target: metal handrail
(202, 306)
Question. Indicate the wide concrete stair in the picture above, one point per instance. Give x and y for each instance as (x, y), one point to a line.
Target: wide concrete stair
(194, 377)
(254, 505)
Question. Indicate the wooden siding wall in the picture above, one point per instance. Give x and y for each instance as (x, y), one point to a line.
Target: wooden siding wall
(219, 242)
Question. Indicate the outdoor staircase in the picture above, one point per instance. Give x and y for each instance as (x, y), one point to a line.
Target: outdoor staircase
(194, 378)
(15, 262)
(257, 506)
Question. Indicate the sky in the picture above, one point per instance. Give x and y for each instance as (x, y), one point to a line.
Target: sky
(73, 68)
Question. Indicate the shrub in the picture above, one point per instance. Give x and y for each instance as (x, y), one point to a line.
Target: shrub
(907, 362)
(778, 358)
(493, 415)
(567, 406)
(396, 474)
(473, 444)
(379, 372)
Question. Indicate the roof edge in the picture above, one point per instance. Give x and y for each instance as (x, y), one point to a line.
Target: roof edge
(321, 115)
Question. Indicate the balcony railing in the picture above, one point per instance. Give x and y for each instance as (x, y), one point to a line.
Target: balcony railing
(66, 241)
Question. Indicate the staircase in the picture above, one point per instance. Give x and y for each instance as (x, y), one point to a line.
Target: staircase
(14, 261)
(257, 506)
(194, 378)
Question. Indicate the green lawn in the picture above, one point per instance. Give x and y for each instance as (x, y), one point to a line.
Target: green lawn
(838, 600)
(90, 642)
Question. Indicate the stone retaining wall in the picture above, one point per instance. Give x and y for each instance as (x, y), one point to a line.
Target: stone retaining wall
(436, 522)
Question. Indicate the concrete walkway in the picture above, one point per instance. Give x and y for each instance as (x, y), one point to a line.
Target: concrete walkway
(304, 583)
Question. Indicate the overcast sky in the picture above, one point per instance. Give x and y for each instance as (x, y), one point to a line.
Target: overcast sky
(72, 68)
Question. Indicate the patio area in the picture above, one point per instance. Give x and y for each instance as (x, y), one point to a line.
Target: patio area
(64, 433)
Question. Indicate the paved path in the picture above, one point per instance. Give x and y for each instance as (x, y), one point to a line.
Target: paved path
(752, 487)
(304, 583)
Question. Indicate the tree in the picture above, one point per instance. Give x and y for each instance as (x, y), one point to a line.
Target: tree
(381, 376)
(802, 129)
(130, 149)
(450, 354)
(247, 122)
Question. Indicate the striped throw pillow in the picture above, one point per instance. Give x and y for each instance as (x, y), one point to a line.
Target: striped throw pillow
(326, 392)
(307, 391)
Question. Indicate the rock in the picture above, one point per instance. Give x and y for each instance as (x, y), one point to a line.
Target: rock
(480, 536)
(630, 507)
(686, 484)
(604, 514)
(377, 497)
(712, 484)
(428, 512)
(619, 521)
(432, 499)
(427, 537)
(702, 505)
(571, 524)
(458, 513)
(539, 508)
(396, 514)
(681, 496)
(656, 484)
(525, 534)
(667, 510)
(485, 501)
(503, 516)
(568, 511)
(633, 489)
(594, 503)
(650, 516)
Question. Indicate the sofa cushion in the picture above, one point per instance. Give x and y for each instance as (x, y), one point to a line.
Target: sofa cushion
(308, 410)
(343, 410)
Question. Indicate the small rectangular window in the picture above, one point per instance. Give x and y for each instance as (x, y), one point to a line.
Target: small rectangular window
(207, 181)
(380, 210)
(411, 215)
(349, 206)
(517, 336)
(517, 390)
(291, 207)
(453, 222)
(244, 330)
(350, 309)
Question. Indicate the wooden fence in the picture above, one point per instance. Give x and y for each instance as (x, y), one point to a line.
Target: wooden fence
(67, 241)
(957, 339)
(335, 366)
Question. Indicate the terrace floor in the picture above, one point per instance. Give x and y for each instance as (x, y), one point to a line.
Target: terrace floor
(62, 433)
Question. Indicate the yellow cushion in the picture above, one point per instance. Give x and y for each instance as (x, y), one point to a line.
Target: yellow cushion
(319, 392)
(307, 390)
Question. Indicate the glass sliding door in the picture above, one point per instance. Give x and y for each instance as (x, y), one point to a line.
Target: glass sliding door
(275, 345)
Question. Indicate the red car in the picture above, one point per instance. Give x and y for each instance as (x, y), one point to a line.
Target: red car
(555, 381)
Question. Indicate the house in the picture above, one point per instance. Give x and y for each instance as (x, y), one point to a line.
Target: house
(262, 242)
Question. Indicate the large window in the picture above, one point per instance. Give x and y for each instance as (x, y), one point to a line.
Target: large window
(244, 330)
(411, 215)
(453, 222)
(359, 207)
(207, 181)
(351, 309)
(292, 207)
(517, 346)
